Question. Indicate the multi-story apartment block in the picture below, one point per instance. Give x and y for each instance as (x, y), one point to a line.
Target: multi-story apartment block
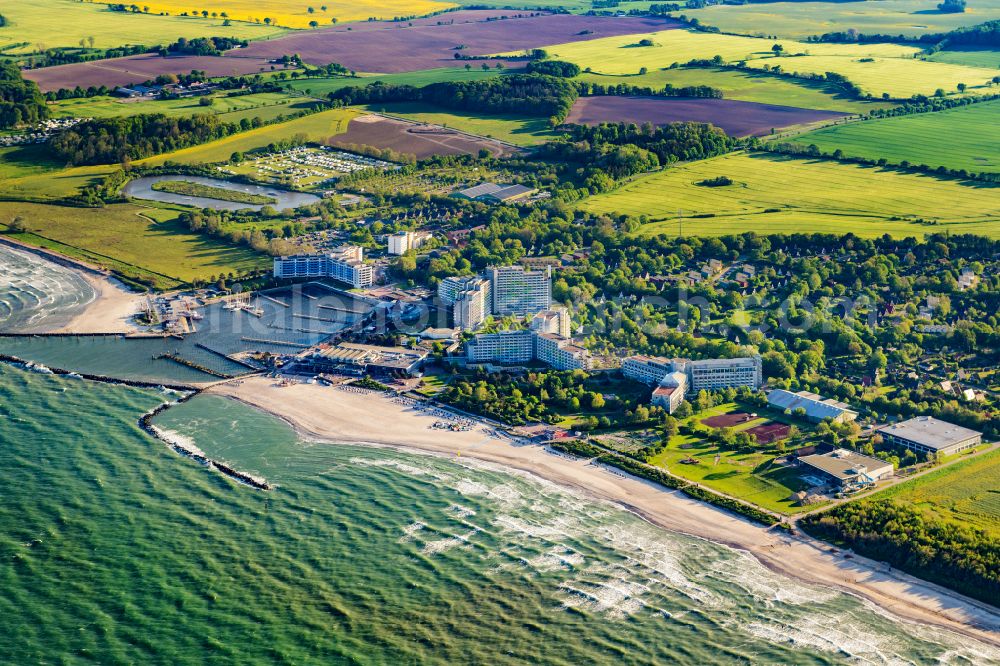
(345, 264)
(472, 304)
(519, 291)
(720, 373)
(506, 347)
(403, 241)
(560, 352)
(647, 369)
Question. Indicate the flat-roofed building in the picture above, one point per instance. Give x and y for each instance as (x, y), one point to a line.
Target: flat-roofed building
(372, 359)
(555, 320)
(508, 194)
(506, 347)
(670, 393)
(816, 407)
(647, 369)
(560, 352)
(847, 469)
(519, 291)
(721, 373)
(926, 434)
(344, 263)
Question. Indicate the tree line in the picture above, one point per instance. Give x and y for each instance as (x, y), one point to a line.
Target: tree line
(963, 558)
(20, 100)
(202, 46)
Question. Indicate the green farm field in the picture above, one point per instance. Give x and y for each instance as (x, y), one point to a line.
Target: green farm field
(63, 23)
(778, 194)
(952, 138)
(976, 58)
(321, 87)
(746, 86)
(798, 20)
(519, 130)
(266, 106)
(136, 241)
(967, 492)
(315, 127)
(887, 68)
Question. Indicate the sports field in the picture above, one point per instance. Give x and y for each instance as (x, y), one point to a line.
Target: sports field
(745, 86)
(63, 23)
(296, 14)
(518, 130)
(952, 138)
(314, 127)
(798, 20)
(776, 194)
(138, 241)
(876, 68)
(967, 492)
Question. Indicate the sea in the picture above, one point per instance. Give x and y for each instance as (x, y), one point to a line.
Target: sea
(114, 549)
(37, 294)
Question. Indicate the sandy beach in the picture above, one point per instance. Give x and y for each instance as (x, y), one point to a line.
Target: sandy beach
(342, 415)
(111, 310)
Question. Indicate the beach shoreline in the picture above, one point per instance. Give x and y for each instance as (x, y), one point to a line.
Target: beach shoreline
(360, 417)
(113, 305)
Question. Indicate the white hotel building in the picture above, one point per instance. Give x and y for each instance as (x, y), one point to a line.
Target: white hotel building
(519, 291)
(345, 264)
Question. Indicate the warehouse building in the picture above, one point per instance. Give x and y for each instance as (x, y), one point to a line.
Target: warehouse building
(926, 434)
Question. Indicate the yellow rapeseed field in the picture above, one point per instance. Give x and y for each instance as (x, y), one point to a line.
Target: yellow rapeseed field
(296, 13)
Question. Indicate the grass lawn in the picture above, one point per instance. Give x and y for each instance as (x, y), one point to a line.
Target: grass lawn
(952, 138)
(295, 14)
(63, 23)
(136, 241)
(776, 194)
(967, 492)
(519, 130)
(798, 20)
(750, 476)
(315, 127)
(746, 86)
(892, 69)
(323, 87)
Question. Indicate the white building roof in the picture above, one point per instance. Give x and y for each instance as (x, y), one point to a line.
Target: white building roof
(930, 432)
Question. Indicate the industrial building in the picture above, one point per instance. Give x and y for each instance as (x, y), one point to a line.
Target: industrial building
(845, 469)
(816, 407)
(345, 264)
(926, 434)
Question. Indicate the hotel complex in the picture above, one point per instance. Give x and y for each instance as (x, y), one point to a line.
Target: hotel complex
(517, 291)
(345, 264)
(524, 346)
(404, 241)
(673, 378)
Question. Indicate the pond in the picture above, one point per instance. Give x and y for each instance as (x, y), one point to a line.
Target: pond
(142, 188)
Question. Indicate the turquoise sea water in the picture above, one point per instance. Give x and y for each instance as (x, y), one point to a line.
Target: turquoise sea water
(114, 549)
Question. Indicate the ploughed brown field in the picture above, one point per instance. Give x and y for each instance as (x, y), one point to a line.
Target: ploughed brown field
(387, 48)
(769, 432)
(727, 420)
(735, 117)
(374, 47)
(134, 70)
(413, 138)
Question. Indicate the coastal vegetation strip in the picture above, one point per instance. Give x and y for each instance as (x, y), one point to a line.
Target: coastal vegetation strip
(599, 454)
(187, 188)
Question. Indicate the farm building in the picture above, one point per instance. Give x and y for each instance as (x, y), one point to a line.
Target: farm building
(815, 406)
(926, 434)
(846, 469)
